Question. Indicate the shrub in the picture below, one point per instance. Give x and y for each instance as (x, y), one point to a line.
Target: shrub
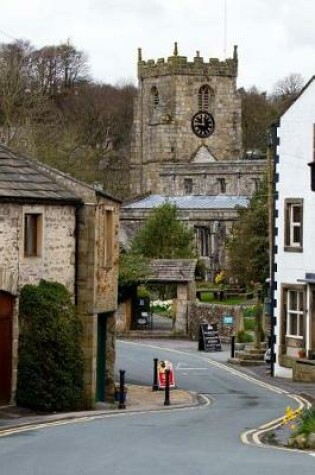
(243, 337)
(50, 368)
(306, 423)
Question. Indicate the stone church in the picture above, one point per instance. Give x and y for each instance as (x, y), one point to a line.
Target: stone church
(187, 148)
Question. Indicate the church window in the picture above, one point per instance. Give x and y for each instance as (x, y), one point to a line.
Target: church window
(222, 185)
(155, 96)
(205, 98)
(188, 186)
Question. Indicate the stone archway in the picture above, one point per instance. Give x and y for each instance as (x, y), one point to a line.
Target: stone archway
(6, 345)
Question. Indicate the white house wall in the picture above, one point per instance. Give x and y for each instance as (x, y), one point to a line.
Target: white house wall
(295, 151)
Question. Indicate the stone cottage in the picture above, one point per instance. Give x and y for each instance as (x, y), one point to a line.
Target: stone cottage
(56, 228)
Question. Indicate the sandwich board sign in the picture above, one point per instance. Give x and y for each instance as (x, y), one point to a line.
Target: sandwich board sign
(162, 366)
(209, 339)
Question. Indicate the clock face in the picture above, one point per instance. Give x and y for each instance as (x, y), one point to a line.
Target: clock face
(202, 124)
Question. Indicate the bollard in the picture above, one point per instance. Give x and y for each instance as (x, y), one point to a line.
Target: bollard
(155, 386)
(122, 396)
(233, 346)
(167, 401)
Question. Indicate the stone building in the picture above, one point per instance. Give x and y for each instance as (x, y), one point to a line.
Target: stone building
(187, 143)
(56, 228)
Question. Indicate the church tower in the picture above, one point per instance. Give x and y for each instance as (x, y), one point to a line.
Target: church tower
(187, 114)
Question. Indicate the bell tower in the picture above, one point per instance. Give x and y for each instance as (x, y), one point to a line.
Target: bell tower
(186, 112)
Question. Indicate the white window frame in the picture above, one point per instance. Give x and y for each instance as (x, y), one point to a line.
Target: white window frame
(295, 313)
(290, 244)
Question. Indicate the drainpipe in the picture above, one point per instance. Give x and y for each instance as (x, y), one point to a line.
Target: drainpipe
(76, 252)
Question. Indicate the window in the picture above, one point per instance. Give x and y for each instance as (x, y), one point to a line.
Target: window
(294, 312)
(205, 98)
(155, 96)
(222, 185)
(33, 228)
(293, 225)
(202, 240)
(188, 186)
(108, 238)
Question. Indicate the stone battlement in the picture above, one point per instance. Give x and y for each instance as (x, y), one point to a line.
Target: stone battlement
(176, 64)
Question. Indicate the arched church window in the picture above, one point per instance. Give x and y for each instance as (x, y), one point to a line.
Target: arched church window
(205, 98)
(155, 96)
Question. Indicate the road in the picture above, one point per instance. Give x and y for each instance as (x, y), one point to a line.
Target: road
(195, 441)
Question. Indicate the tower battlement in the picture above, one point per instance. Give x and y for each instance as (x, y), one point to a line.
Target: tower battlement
(177, 64)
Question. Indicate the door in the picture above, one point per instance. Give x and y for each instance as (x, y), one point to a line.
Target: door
(6, 316)
(101, 357)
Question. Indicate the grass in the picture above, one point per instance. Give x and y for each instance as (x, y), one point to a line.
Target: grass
(209, 298)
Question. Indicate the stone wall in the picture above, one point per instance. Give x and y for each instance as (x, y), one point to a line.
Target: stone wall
(213, 314)
(56, 261)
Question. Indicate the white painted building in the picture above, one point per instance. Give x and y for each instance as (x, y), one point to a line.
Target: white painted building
(294, 260)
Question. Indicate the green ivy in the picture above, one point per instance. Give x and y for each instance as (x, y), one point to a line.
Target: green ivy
(50, 368)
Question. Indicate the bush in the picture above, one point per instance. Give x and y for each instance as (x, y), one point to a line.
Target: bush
(249, 323)
(50, 368)
(243, 337)
(306, 423)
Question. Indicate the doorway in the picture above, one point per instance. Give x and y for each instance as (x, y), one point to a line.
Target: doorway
(6, 318)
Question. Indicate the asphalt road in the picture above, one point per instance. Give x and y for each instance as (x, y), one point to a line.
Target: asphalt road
(195, 441)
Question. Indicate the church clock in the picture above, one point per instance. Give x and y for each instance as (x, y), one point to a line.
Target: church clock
(202, 124)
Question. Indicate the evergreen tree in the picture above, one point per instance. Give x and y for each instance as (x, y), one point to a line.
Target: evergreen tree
(164, 236)
(248, 248)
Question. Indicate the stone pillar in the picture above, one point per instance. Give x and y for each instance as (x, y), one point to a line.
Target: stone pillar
(181, 308)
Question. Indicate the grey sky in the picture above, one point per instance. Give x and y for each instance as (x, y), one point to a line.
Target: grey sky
(275, 37)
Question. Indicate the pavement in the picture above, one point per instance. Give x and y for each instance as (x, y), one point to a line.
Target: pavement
(142, 398)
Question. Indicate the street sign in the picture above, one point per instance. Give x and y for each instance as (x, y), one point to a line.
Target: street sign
(162, 366)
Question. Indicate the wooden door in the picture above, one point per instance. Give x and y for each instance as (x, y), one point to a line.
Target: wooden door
(6, 314)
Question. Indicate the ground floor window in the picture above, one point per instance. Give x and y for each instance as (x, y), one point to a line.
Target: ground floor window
(294, 310)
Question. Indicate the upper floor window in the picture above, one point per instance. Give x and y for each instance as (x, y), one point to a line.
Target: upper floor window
(108, 237)
(205, 98)
(188, 186)
(222, 185)
(155, 96)
(293, 226)
(33, 231)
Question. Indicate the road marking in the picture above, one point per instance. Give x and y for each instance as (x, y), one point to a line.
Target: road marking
(183, 367)
(75, 420)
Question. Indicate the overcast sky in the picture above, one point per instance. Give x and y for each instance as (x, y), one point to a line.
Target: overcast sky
(275, 37)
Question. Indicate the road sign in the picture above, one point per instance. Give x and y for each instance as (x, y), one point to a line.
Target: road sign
(162, 366)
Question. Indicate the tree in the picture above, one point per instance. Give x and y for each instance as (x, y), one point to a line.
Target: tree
(248, 245)
(257, 114)
(286, 90)
(164, 235)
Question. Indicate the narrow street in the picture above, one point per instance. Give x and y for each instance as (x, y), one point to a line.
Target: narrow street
(198, 440)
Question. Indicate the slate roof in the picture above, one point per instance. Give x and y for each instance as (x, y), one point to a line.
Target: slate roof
(22, 179)
(189, 202)
(172, 270)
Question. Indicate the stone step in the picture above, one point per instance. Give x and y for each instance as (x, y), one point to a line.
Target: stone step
(249, 356)
(256, 351)
(238, 361)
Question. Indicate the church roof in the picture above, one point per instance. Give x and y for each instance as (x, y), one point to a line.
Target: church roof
(189, 202)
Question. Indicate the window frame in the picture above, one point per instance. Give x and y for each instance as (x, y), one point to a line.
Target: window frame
(290, 226)
(205, 98)
(32, 234)
(298, 313)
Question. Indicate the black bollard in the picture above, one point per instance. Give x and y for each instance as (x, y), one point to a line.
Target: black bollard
(167, 401)
(155, 386)
(122, 396)
(233, 346)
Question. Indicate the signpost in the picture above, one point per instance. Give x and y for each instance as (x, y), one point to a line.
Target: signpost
(209, 339)
(162, 367)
